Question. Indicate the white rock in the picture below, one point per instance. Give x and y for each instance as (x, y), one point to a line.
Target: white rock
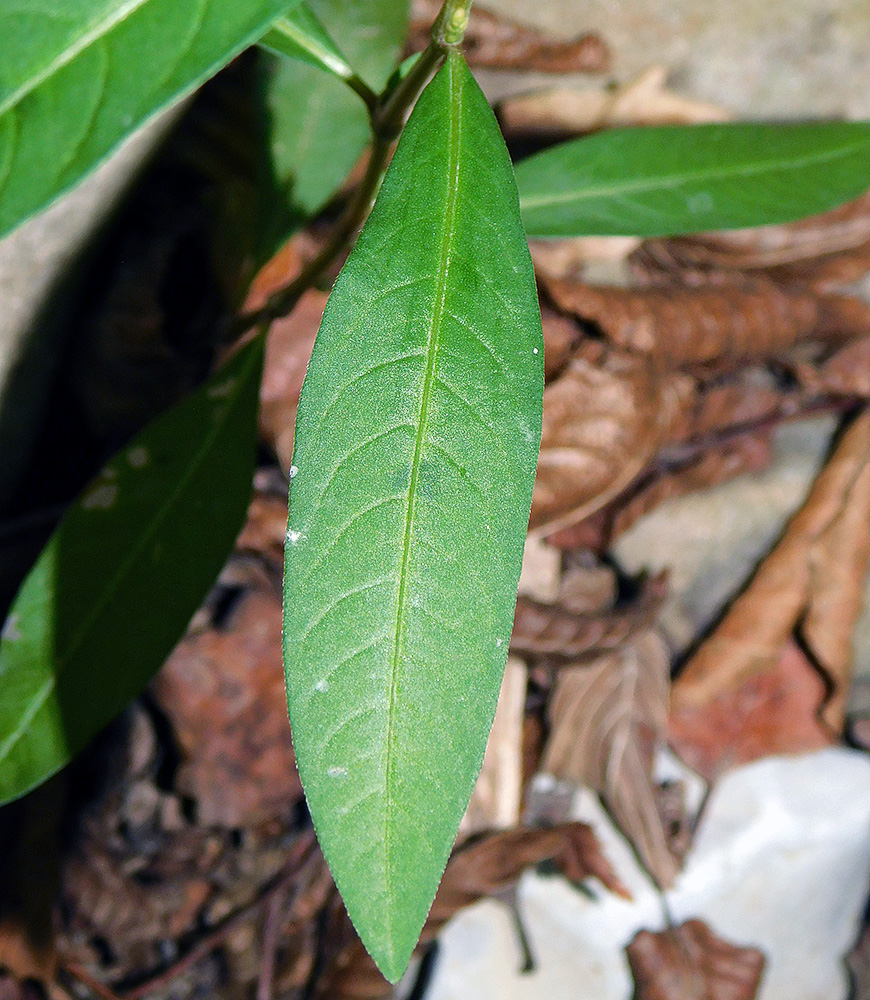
(781, 862)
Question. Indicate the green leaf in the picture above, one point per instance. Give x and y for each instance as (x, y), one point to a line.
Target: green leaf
(300, 35)
(76, 78)
(319, 126)
(417, 438)
(121, 576)
(665, 180)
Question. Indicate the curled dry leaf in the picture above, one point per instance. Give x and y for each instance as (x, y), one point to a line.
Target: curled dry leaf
(846, 372)
(690, 961)
(683, 326)
(825, 251)
(561, 336)
(811, 585)
(607, 721)
(604, 419)
(644, 100)
(497, 42)
(553, 630)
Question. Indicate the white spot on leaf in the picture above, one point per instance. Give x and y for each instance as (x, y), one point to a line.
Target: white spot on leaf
(294, 537)
(498, 642)
(102, 496)
(322, 686)
(336, 772)
(534, 350)
(11, 632)
(293, 471)
(138, 457)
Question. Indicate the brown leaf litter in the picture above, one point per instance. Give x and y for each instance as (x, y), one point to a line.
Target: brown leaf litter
(608, 719)
(494, 41)
(743, 320)
(605, 417)
(823, 252)
(808, 591)
(690, 961)
(565, 111)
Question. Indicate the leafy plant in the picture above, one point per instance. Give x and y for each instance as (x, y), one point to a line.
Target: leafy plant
(419, 421)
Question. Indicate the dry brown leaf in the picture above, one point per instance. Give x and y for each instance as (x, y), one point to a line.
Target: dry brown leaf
(825, 251)
(495, 800)
(689, 962)
(775, 712)
(498, 42)
(223, 691)
(607, 721)
(846, 372)
(810, 584)
(288, 350)
(604, 419)
(561, 336)
(553, 630)
(686, 326)
(644, 100)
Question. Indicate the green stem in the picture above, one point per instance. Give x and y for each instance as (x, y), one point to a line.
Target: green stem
(388, 114)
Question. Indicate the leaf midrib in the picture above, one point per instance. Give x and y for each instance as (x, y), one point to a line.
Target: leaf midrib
(676, 180)
(439, 306)
(66, 55)
(64, 660)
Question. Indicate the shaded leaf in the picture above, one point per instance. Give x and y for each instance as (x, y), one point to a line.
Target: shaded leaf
(607, 720)
(737, 321)
(495, 41)
(123, 573)
(691, 961)
(300, 35)
(73, 86)
(318, 126)
(415, 453)
(669, 179)
(810, 586)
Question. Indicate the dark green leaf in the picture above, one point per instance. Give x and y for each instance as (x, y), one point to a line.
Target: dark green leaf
(319, 126)
(77, 78)
(300, 35)
(121, 576)
(417, 439)
(666, 180)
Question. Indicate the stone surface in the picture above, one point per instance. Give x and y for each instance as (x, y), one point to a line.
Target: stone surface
(781, 59)
(781, 862)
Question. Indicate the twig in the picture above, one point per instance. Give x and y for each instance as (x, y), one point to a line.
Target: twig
(266, 978)
(278, 883)
(387, 119)
(75, 971)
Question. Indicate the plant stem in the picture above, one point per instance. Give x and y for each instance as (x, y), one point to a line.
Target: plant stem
(387, 114)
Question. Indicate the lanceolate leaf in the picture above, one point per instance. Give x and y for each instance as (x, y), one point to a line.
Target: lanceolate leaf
(77, 77)
(301, 36)
(665, 180)
(417, 437)
(121, 576)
